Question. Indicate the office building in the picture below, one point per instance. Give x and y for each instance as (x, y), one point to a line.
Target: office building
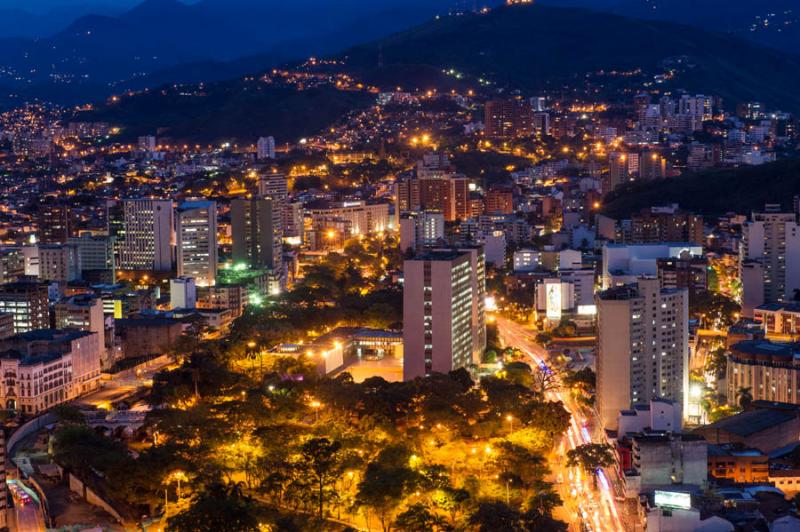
(27, 301)
(95, 252)
(443, 321)
(643, 347)
(772, 239)
(499, 201)
(197, 241)
(149, 235)
(547, 259)
(256, 232)
(435, 187)
(508, 118)
(265, 148)
(665, 224)
(44, 368)
(12, 265)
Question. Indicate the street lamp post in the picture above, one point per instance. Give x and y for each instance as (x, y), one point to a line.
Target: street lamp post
(510, 420)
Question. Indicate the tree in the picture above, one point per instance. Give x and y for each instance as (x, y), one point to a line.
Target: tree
(321, 459)
(544, 380)
(387, 480)
(590, 457)
(218, 508)
(495, 517)
(418, 518)
(744, 397)
(544, 498)
(717, 363)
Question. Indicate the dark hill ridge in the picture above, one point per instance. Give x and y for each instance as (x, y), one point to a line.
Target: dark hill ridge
(534, 47)
(739, 190)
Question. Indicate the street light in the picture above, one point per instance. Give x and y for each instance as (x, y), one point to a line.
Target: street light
(316, 405)
(510, 420)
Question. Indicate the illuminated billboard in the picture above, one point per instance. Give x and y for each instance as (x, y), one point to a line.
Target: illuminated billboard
(673, 499)
(554, 301)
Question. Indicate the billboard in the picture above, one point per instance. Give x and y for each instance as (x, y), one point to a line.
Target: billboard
(554, 301)
(673, 499)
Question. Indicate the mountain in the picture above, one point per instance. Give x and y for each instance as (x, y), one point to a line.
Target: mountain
(22, 19)
(717, 192)
(156, 36)
(230, 111)
(774, 23)
(536, 48)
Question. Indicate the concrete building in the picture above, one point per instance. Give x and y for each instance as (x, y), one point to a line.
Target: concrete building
(770, 370)
(47, 367)
(772, 239)
(623, 263)
(256, 232)
(443, 323)
(232, 297)
(28, 302)
(779, 319)
(529, 260)
(643, 347)
(149, 235)
(95, 252)
(56, 223)
(738, 464)
(667, 458)
(766, 426)
(84, 313)
(182, 293)
(141, 337)
(197, 241)
(566, 292)
(358, 217)
(508, 118)
(59, 262)
(12, 265)
(421, 229)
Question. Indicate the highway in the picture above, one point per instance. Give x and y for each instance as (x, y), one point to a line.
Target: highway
(587, 507)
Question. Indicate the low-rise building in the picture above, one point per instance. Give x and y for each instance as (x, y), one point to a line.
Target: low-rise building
(737, 464)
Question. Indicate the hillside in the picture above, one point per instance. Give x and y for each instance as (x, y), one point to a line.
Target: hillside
(534, 48)
(738, 190)
(771, 22)
(232, 111)
(142, 45)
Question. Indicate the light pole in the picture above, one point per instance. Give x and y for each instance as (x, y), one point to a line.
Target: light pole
(510, 420)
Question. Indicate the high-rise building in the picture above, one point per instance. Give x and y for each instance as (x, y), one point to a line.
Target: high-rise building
(265, 148)
(149, 235)
(257, 237)
(508, 118)
(56, 223)
(197, 241)
(665, 224)
(443, 321)
(27, 301)
(147, 143)
(421, 229)
(772, 239)
(643, 347)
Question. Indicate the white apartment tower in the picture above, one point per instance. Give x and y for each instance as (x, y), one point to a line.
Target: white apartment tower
(149, 231)
(443, 322)
(772, 240)
(197, 241)
(643, 347)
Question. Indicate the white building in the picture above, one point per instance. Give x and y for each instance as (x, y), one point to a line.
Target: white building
(47, 367)
(197, 241)
(643, 347)
(624, 263)
(495, 248)
(421, 229)
(182, 293)
(529, 260)
(771, 239)
(59, 262)
(149, 235)
(83, 312)
(265, 148)
(567, 292)
(443, 322)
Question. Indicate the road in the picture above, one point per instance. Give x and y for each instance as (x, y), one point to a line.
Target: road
(587, 507)
(28, 514)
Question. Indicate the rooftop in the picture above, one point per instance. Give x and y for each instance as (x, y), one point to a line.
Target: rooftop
(752, 422)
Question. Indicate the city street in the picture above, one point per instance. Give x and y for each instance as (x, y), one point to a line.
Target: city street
(587, 507)
(27, 509)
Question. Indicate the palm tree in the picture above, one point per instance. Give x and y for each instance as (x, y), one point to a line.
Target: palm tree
(744, 396)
